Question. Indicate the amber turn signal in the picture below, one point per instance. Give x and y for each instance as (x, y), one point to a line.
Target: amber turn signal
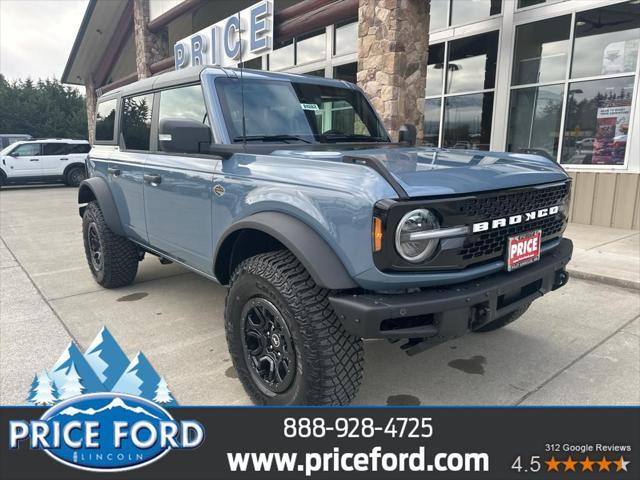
(377, 234)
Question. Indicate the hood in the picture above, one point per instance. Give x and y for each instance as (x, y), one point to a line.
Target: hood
(425, 171)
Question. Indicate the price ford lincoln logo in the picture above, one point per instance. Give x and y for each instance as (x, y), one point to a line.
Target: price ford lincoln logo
(106, 432)
(514, 219)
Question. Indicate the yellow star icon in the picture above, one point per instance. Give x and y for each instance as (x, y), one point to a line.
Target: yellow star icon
(552, 465)
(604, 464)
(587, 464)
(621, 464)
(569, 464)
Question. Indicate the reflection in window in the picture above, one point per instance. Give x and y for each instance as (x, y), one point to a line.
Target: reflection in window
(597, 123)
(346, 39)
(466, 11)
(348, 72)
(136, 122)
(435, 69)
(438, 14)
(541, 51)
(183, 103)
(472, 63)
(467, 121)
(105, 119)
(606, 40)
(282, 57)
(311, 49)
(431, 122)
(534, 120)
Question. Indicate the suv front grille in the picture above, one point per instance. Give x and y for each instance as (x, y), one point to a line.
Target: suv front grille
(494, 242)
(486, 208)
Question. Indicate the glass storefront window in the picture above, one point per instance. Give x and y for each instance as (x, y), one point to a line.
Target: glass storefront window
(438, 14)
(345, 39)
(472, 63)
(467, 121)
(282, 57)
(529, 3)
(311, 49)
(435, 69)
(467, 11)
(534, 120)
(348, 72)
(597, 122)
(431, 127)
(541, 51)
(606, 40)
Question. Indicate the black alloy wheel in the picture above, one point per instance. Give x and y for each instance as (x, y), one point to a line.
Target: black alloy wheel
(268, 346)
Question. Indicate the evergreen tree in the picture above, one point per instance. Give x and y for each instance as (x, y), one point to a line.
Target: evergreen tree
(163, 394)
(73, 386)
(46, 393)
(32, 389)
(45, 108)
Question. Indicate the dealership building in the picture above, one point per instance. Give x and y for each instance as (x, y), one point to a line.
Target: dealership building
(557, 78)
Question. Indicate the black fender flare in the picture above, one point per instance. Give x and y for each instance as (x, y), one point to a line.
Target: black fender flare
(96, 188)
(322, 263)
(73, 165)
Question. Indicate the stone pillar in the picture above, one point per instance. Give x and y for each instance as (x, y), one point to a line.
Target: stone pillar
(393, 42)
(90, 102)
(150, 48)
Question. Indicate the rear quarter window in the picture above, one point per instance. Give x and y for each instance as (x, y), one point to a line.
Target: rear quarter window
(79, 148)
(105, 120)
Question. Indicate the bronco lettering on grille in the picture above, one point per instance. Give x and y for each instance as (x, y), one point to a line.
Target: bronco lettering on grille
(514, 219)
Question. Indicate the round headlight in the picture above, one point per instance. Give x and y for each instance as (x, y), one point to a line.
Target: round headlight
(414, 222)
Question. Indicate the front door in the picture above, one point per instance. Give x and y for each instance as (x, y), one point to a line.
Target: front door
(24, 161)
(178, 189)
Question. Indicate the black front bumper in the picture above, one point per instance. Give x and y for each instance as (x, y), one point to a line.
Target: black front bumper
(435, 315)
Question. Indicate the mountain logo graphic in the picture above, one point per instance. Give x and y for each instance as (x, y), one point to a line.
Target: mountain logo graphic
(104, 367)
(109, 432)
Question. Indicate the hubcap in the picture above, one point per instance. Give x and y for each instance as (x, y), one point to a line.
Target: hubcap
(95, 246)
(268, 345)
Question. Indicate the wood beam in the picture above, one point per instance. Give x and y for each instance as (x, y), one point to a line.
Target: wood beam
(316, 14)
(115, 45)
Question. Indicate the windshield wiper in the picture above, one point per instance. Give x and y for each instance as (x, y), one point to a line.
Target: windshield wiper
(351, 137)
(270, 138)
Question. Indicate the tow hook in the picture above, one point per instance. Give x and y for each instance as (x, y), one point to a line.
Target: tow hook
(562, 277)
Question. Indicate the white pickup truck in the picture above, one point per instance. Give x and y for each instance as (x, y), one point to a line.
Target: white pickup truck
(52, 159)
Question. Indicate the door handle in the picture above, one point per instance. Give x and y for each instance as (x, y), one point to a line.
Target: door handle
(64, 159)
(153, 180)
(113, 171)
(34, 160)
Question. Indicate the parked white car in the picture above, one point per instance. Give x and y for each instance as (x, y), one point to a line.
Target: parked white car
(44, 160)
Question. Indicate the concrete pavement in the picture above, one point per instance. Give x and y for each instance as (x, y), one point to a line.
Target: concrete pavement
(579, 345)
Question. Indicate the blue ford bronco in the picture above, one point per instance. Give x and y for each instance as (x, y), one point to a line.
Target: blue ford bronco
(288, 190)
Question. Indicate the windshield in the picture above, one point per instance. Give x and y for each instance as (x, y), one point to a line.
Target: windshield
(291, 112)
(7, 149)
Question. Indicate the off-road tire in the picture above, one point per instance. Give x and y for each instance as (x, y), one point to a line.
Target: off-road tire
(3, 179)
(120, 256)
(329, 361)
(505, 320)
(75, 175)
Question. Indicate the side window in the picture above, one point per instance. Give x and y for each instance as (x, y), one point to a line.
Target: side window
(105, 120)
(79, 148)
(26, 150)
(136, 122)
(55, 149)
(186, 103)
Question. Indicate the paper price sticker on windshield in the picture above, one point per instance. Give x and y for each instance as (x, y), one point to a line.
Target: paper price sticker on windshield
(310, 106)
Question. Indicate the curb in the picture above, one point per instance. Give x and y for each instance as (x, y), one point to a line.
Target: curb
(594, 277)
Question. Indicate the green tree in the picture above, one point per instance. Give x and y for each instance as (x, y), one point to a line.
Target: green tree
(45, 108)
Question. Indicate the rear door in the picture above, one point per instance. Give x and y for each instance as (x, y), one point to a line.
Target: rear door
(127, 166)
(54, 158)
(24, 161)
(178, 188)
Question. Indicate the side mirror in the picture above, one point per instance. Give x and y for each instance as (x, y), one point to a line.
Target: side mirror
(183, 136)
(407, 135)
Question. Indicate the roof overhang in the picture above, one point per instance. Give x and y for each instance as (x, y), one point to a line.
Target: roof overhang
(99, 24)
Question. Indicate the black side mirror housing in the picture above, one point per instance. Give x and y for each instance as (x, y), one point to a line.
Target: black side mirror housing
(408, 135)
(183, 136)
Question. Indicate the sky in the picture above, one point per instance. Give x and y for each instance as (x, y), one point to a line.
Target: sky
(36, 36)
